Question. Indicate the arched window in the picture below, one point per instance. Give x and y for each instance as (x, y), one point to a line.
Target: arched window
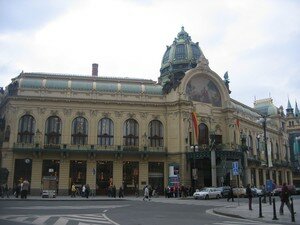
(250, 144)
(272, 151)
(26, 129)
(79, 131)
(53, 130)
(131, 133)
(156, 135)
(105, 132)
(203, 134)
(277, 151)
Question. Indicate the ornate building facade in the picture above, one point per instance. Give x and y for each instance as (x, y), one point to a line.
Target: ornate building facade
(293, 128)
(182, 130)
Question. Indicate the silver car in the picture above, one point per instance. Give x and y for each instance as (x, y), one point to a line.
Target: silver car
(207, 193)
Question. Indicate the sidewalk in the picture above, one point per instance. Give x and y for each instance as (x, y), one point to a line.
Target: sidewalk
(242, 211)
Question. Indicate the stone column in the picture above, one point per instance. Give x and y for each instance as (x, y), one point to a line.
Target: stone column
(118, 173)
(213, 169)
(257, 178)
(91, 175)
(143, 174)
(64, 184)
(36, 176)
(277, 178)
(264, 176)
(291, 178)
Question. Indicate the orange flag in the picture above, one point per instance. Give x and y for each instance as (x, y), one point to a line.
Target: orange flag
(195, 124)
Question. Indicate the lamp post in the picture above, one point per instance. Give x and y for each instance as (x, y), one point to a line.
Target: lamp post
(194, 149)
(263, 122)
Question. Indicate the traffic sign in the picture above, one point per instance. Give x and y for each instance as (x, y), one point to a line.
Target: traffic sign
(235, 168)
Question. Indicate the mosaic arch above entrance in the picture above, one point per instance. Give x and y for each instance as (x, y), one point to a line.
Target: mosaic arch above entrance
(202, 89)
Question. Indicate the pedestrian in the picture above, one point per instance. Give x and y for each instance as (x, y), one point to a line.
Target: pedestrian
(230, 195)
(264, 193)
(250, 195)
(284, 197)
(146, 193)
(25, 188)
(87, 190)
(83, 191)
(121, 194)
(73, 191)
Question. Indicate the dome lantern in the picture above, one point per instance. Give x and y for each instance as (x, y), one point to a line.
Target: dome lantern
(181, 56)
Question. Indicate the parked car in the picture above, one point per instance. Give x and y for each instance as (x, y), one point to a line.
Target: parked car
(239, 192)
(225, 190)
(207, 193)
(256, 192)
(297, 190)
(277, 191)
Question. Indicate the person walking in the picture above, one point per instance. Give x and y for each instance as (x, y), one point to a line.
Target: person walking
(264, 193)
(284, 197)
(25, 188)
(146, 193)
(230, 195)
(87, 190)
(250, 195)
(73, 191)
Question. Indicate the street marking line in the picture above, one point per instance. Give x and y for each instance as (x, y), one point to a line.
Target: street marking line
(61, 221)
(93, 220)
(41, 220)
(113, 222)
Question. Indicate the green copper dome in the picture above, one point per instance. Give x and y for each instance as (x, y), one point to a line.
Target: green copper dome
(181, 56)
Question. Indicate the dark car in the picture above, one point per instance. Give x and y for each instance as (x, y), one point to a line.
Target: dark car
(224, 191)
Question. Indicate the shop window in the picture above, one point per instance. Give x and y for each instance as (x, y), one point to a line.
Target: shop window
(104, 177)
(130, 177)
(203, 134)
(77, 173)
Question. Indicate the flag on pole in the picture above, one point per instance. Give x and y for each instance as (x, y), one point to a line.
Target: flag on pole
(195, 124)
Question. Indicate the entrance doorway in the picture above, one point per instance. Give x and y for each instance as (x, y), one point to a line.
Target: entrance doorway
(156, 176)
(23, 170)
(104, 177)
(130, 177)
(77, 174)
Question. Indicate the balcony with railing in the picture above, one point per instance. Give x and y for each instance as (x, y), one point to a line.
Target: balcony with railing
(28, 147)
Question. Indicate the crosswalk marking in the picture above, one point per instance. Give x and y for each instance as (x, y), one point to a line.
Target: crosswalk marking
(61, 221)
(80, 219)
(241, 222)
(41, 220)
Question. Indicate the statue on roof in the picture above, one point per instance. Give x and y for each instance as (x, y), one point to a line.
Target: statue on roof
(226, 81)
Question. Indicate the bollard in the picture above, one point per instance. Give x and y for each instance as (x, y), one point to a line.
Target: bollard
(260, 208)
(292, 210)
(270, 201)
(274, 210)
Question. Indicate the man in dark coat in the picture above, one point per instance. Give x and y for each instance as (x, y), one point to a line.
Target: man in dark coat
(284, 197)
(249, 194)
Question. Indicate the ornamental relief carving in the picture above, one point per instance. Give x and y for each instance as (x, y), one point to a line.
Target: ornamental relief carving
(131, 115)
(41, 110)
(80, 113)
(155, 117)
(93, 112)
(67, 112)
(106, 114)
(118, 114)
(54, 112)
(143, 115)
(27, 112)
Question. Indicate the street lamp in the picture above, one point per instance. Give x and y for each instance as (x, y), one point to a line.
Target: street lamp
(194, 149)
(263, 122)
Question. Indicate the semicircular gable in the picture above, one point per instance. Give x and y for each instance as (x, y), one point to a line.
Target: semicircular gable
(203, 89)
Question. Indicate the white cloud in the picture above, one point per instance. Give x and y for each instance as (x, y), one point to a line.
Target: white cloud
(256, 41)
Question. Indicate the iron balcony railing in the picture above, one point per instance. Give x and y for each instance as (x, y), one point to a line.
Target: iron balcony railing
(70, 147)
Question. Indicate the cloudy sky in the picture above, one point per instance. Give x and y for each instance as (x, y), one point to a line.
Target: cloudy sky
(257, 41)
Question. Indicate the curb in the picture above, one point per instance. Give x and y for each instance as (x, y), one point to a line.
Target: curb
(228, 214)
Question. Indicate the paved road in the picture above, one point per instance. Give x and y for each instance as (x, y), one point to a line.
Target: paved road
(131, 211)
